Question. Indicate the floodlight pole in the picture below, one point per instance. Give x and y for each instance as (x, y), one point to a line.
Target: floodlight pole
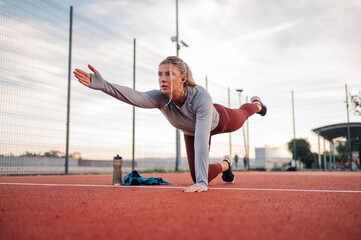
(177, 132)
(348, 129)
(177, 36)
(176, 39)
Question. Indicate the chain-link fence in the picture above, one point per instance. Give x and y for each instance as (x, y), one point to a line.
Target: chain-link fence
(34, 44)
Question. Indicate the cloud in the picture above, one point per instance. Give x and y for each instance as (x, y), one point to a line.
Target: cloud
(263, 33)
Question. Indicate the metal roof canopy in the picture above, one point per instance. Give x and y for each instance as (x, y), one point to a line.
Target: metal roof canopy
(331, 132)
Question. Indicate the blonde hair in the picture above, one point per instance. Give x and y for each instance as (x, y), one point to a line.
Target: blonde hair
(182, 67)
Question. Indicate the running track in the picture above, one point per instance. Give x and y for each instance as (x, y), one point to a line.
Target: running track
(259, 205)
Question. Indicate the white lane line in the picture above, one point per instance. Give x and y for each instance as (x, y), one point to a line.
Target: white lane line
(83, 185)
(290, 190)
(170, 187)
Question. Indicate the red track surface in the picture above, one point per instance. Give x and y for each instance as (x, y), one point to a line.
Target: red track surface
(100, 212)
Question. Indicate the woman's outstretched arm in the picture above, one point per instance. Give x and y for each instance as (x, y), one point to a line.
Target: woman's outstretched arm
(84, 77)
(149, 99)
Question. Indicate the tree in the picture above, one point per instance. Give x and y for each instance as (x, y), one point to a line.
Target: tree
(50, 154)
(342, 149)
(30, 154)
(303, 151)
(356, 103)
(342, 152)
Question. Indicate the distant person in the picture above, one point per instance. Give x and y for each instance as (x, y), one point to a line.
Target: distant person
(246, 162)
(236, 160)
(188, 107)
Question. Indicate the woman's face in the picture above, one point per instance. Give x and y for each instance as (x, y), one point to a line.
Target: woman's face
(164, 79)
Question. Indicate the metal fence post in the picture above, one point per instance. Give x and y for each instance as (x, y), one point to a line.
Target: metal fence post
(294, 132)
(133, 142)
(324, 154)
(206, 82)
(230, 134)
(69, 85)
(348, 129)
(319, 152)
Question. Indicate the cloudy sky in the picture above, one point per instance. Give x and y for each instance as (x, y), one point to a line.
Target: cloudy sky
(278, 45)
(266, 48)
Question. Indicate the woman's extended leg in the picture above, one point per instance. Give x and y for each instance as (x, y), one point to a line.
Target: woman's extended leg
(213, 169)
(231, 120)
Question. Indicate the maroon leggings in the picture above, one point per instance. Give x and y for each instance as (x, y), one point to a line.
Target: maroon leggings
(230, 120)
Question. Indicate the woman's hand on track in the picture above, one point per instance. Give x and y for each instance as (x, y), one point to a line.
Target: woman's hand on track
(194, 188)
(83, 77)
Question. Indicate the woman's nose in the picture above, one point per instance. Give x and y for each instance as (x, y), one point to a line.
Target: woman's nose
(162, 79)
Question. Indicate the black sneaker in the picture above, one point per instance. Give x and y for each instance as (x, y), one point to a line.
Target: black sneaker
(228, 176)
(257, 100)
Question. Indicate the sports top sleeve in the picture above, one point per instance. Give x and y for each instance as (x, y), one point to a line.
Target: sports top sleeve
(202, 134)
(149, 99)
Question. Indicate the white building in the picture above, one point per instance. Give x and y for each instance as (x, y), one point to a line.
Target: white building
(272, 158)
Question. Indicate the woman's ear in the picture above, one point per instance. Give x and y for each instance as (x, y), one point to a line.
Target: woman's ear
(184, 78)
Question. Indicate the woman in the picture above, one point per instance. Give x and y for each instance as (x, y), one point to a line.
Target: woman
(188, 107)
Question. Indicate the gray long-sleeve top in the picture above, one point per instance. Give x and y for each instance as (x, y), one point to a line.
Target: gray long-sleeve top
(197, 117)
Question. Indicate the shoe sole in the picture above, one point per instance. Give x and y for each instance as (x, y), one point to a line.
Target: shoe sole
(229, 182)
